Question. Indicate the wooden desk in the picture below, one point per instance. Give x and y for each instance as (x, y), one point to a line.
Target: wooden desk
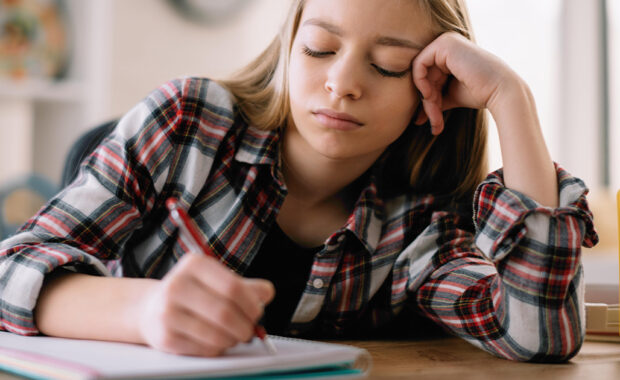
(455, 359)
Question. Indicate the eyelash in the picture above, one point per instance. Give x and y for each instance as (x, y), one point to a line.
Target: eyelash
(381, 71)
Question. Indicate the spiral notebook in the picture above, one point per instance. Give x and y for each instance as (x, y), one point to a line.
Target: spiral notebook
(58, 358)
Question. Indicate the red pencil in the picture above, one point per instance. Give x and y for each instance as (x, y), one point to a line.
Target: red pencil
(189, 230)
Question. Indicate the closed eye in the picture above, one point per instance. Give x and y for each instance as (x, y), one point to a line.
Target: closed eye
(316, 53)
(391, 74)
(380, 70)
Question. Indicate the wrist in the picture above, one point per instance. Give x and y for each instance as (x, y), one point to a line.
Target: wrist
(136, 299)
(512, 92)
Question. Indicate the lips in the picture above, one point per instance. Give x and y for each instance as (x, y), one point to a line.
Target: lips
(337, 120)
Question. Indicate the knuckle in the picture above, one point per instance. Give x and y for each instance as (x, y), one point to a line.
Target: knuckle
(222, 313)
(181, 263)
(187, 261)
(212, 351)
(222, 342)
(168, 341)
(247, 334)
(196, 258)
(253, 313)
(233, 288)
(256, 311)
(167, 318)
(173, 288)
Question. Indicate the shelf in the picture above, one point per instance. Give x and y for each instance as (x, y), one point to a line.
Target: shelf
(40, 89)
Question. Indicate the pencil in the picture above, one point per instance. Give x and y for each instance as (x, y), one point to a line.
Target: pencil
(189, 230)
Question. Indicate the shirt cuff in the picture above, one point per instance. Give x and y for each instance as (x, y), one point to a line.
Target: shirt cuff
(504, 217)
(24, 274)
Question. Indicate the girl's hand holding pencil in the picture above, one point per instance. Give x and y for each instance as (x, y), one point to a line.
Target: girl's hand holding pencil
(202, 308)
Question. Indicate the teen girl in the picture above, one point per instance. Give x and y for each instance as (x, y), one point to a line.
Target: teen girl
(340, 169)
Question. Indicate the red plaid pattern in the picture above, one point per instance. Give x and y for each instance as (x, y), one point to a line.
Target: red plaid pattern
(510, 282)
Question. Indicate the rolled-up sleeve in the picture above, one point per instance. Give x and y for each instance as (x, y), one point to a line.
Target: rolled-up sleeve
(87, 224)
(514, 286)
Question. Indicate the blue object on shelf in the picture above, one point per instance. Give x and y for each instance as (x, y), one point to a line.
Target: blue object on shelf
(35, 188)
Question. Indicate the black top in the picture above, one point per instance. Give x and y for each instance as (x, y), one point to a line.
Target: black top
(287, 265)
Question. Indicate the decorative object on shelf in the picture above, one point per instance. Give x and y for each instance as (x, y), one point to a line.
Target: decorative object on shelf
(20, 199)
(208, 12)
(33, 39)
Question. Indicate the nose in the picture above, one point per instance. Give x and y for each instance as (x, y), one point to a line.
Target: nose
(344, 80)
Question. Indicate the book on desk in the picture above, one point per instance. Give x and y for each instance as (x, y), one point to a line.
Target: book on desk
(603, 300)
(44, 357)
(602, 317)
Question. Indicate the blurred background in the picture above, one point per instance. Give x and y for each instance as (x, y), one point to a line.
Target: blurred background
(67, 66)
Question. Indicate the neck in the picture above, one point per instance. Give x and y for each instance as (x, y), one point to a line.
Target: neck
(316, 179)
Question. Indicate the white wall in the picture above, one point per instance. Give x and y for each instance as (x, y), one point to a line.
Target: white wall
(525, 34)
(613, 7)
(134, 46)
(121, 51)
(151, 44)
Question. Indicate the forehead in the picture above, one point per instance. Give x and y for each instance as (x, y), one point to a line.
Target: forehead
(372, 18)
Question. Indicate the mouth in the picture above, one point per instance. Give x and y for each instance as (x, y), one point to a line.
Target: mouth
(336, 120)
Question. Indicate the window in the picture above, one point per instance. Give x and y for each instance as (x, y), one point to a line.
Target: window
(567, 52)
(525, 34)
(558, 47)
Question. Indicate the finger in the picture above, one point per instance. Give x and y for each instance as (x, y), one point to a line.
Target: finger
(180, 344)
(438, 79)
(435, 116)
(434, 54)
(430, 86)
(212, 309)
(191, 348)
(430, 80)
(429, 74)
(421, 118)
(263, 289)
(224, 283)
(431, 110)
(459, 96)
(202, 332)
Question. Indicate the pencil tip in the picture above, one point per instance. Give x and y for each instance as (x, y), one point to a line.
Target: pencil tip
(270, 347)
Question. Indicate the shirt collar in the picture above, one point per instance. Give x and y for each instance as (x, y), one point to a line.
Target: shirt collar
(366, 220)
(260, 147)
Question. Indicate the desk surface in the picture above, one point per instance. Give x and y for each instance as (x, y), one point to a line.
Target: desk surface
(453, 358)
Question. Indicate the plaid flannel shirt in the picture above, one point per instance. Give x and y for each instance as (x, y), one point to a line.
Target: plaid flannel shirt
(510, 282)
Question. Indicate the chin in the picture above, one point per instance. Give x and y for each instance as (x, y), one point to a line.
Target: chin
(340, 151)
(331, 147)
(335, 154)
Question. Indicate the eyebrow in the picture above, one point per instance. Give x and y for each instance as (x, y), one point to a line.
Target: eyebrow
(382, 40)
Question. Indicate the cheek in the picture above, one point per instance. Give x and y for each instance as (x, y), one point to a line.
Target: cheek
(296, 82)
(398, 108)
(304, 74)
(299, 90)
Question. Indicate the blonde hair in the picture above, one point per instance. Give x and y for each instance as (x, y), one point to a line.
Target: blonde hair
(452, 163)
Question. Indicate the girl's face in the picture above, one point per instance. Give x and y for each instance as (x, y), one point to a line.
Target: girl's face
(350, 80)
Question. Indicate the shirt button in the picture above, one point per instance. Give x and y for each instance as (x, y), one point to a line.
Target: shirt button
(317, 283)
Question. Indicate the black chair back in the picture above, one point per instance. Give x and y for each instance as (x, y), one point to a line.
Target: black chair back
(83, 147)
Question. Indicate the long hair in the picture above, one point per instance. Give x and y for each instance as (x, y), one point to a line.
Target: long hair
(452, 163)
